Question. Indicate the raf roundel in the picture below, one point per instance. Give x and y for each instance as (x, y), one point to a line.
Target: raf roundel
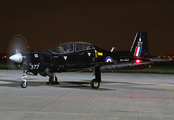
(108, 59)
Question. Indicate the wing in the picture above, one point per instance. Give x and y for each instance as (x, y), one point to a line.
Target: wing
(132, 62)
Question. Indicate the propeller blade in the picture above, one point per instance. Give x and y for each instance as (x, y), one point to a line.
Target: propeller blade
(19, 58)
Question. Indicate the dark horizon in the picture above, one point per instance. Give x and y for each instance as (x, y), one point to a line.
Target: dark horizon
(45, 24)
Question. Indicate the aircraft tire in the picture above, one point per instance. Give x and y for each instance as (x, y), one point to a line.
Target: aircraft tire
(23, 85)
(95, 84)
(53, 80)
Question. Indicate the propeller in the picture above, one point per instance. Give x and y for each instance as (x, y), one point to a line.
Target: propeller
(18, 53)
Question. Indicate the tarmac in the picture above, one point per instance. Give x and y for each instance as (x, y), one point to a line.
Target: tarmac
(121, 96)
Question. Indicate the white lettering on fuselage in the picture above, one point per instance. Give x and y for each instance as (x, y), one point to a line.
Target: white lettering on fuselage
(34, 66)
(124, 59)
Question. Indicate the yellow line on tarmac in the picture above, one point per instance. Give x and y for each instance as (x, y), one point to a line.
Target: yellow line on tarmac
(169, 90)
(156, 82)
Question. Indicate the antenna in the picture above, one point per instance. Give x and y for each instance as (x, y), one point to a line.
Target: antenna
(113, 49)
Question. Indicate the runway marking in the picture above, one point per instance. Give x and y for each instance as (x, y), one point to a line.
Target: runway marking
(166, 84)
(156, 82)
(3, 70)
(5, 82)
(170, 90)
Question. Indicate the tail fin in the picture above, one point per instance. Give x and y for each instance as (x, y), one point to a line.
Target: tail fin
(140, 45)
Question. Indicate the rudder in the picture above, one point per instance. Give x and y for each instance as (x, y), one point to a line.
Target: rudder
(140, 45)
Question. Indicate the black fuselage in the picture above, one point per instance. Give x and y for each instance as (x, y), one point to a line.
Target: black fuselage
(74, 61)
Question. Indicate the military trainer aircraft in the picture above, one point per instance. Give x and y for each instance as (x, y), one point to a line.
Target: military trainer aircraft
(75, 56)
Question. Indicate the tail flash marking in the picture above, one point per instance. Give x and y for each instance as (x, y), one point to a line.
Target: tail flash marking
(137, 51)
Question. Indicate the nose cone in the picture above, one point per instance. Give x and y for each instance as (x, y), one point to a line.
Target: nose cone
(16, 58)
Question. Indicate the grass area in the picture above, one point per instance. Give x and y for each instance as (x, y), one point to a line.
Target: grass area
(158, 68)
(3, 66)
(167, 67)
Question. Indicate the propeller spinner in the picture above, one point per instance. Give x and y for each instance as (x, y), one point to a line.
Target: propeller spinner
(16, 58)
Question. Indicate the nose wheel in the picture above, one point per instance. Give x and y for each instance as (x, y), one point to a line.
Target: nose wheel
(24, 82)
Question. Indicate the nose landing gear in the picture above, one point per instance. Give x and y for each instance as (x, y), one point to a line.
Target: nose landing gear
(24, 82)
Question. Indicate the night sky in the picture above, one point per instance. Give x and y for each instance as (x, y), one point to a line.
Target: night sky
(104, 23)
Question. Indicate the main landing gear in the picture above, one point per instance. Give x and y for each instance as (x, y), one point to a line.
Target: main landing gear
(95, 83)
(52, 77)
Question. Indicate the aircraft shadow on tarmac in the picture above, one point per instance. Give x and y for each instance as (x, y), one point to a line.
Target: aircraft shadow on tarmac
(83, 84)
(63, 84)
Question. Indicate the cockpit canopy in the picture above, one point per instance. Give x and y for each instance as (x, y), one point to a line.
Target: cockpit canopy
(71, 47)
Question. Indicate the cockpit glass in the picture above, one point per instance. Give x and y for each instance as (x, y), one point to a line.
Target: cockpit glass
(63, 48)
(83, 46)
(71, 47)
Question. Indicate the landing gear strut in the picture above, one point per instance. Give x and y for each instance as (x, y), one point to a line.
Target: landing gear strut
(24, 82)
(95, 83)
(52, 77)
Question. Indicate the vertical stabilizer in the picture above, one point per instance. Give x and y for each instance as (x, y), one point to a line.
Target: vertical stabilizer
(140, 45)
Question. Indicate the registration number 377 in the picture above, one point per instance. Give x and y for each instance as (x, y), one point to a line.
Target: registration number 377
(34, 66)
